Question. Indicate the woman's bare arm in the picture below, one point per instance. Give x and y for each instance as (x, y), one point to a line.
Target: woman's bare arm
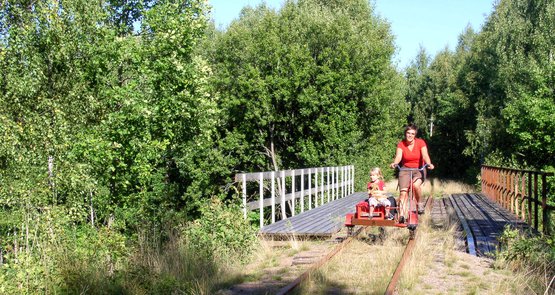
(398, 157)
(426, 157)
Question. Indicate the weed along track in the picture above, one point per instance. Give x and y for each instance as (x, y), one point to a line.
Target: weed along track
(290, 287)
(406, 255)
(378, 252)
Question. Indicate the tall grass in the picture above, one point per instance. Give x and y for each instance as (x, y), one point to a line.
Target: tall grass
(533, 254)
(56, 257)
(435, 267)
(364, 267)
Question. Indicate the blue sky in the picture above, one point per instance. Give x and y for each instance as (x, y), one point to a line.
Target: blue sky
(432, 24)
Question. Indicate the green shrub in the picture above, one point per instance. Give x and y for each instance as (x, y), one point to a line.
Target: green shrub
(55, 256)
(534, 254)
(193, 260)
(221, 231)
(533, 249)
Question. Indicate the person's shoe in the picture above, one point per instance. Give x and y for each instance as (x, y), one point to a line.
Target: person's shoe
(420, 209)
(401, 219)
(389, 216)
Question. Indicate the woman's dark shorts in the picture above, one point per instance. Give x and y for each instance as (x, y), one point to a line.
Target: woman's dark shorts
(404, 178)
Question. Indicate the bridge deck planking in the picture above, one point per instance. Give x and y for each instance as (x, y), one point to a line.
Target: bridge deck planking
(503, 217)
(323, 220)
(448, 218)
(470, 242)
(500, 217)
(480, 224)
(487, 241)
(504, 214)
(486, 220)
(310, 226)
(441, 216)
(310, 219)
(496, 222)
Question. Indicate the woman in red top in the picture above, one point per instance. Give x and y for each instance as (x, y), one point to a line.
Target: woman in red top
(412, 152)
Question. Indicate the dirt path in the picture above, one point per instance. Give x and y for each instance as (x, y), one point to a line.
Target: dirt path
(440, 265)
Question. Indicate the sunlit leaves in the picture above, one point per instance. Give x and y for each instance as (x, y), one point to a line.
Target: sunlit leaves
(113, 93)
(313, 81)
(497, 89)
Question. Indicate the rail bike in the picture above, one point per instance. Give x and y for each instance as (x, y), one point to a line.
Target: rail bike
(404, 215)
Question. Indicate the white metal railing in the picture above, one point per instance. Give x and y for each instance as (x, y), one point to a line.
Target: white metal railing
(310, 187)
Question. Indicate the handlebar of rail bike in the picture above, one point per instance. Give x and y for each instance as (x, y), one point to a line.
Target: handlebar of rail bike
(411, 169)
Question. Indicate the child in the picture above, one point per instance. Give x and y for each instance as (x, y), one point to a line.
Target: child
(376, 193)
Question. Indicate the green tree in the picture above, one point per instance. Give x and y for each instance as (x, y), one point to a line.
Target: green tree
(309, 85)
(510, 79)
(105, 121)
(496, 89)
(419, 91)
(526, 51)
(440, 108)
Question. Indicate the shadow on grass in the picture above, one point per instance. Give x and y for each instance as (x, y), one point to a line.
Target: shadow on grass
(321, 283)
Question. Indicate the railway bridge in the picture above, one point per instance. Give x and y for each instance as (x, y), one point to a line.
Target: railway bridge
(313, 202)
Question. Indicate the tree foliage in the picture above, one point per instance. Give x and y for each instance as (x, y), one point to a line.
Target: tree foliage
(509, 78)
(494, 96)
(309, 85)
(118, 116)
(108, 123)
(105, 119)
(440, 108)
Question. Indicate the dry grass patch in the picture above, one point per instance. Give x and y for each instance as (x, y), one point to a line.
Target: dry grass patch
(364, 267)
(437, 186)
(271, 266)
(436, 263)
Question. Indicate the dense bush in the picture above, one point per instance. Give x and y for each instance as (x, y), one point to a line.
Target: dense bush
(221, 231)
(535, 254)
(52, 255)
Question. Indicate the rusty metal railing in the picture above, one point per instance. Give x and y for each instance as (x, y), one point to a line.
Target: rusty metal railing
(523, 192)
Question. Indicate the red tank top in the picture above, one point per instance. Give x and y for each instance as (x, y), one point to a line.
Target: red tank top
(412, 159)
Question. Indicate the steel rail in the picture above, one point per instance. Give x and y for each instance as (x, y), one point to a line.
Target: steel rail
(393, 282)
(291, 286)
(406, 256)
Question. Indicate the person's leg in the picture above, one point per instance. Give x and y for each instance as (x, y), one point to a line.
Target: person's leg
(403, 203)
(373, 203)
(387, 204)
(417, 189)
(404, 182)
(387, 214)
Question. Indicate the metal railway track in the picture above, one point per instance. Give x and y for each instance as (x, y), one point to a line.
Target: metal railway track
(394, 279)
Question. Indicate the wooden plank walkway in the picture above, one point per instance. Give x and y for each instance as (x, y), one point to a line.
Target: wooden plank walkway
(443, 217)
(322, 221)
(483, 221)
